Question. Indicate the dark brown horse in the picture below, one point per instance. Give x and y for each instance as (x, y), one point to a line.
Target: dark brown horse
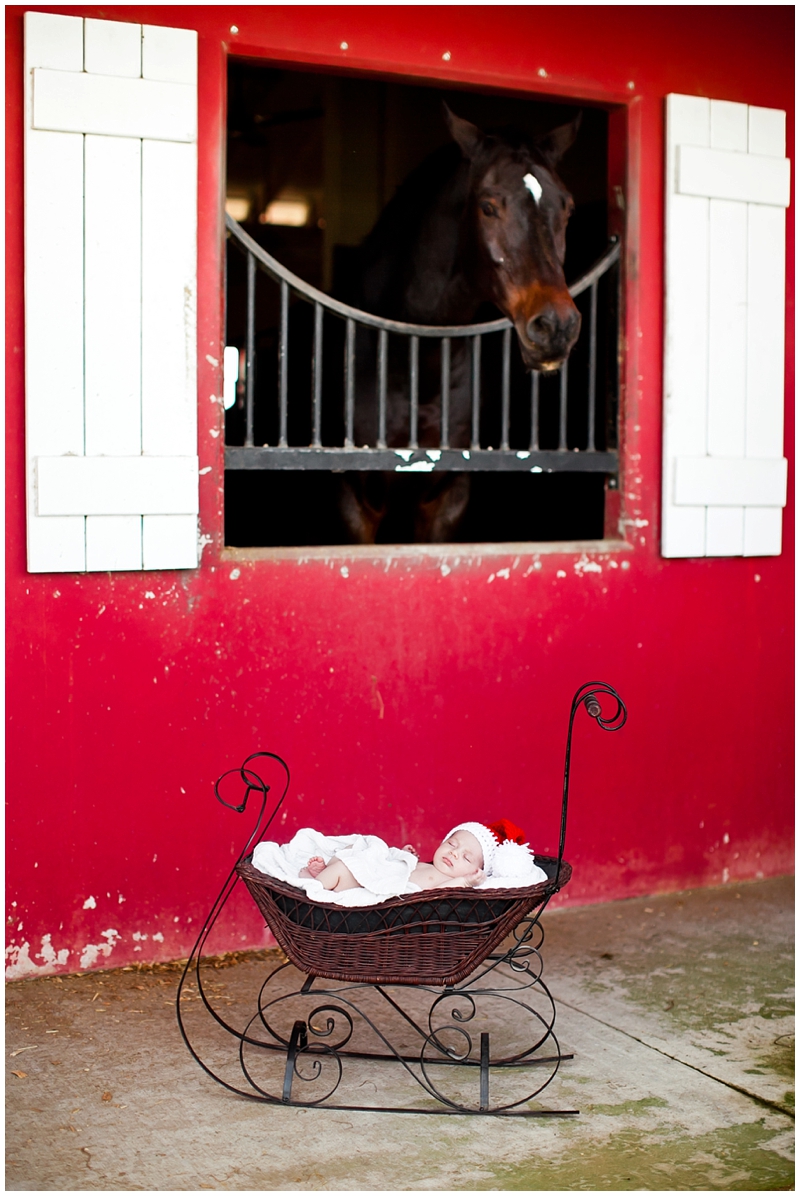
(481, 221)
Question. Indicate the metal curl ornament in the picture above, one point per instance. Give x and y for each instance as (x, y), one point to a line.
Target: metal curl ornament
(312, 1053)
(330, 1025)
(456, 1015)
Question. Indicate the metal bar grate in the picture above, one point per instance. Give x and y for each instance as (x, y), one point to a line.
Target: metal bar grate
(413, 391)
(383, 350)
(349, 383)
(283, 362)
(592, 396)
(445, 393)
(461, 382)
(534, 412)
(505, 399)
(316, 378)
(250, 359)
(475, 393)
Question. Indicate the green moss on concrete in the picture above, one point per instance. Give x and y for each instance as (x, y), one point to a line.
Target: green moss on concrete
(629, 1106)
(780, 1057)
(711, 994)
(782, 1008)
(735, 1159)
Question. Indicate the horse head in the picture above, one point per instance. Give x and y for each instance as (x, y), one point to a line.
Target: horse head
(517, 213)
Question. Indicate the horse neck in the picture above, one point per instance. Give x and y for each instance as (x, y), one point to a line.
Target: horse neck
(419, 258)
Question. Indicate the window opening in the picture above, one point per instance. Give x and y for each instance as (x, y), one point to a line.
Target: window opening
(312, 161)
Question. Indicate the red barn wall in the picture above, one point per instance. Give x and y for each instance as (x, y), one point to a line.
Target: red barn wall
(407, 689)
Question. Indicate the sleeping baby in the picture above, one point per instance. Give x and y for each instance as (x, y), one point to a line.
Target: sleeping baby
(457, 864)
(362, 869)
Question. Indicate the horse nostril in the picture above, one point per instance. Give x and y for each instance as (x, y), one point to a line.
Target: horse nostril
(552, 326)
(541, 328)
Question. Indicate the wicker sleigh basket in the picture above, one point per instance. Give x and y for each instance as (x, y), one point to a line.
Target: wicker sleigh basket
(432, 938)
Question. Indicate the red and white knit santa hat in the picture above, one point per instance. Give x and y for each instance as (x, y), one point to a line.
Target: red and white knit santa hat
(505, 851)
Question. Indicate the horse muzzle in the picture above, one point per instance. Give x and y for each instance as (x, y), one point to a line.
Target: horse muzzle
(546, 339)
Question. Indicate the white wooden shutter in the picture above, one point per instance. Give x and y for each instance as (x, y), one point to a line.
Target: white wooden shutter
(727, 182)
(110, 286)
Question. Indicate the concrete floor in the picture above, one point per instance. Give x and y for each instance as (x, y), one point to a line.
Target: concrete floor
(678, 1010)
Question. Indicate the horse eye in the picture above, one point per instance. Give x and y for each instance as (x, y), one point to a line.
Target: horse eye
(488, 209)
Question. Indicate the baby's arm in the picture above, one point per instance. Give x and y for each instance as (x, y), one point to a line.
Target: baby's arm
(462, 882)
(428, 877)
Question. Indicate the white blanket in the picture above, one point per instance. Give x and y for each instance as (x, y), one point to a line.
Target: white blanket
(382, 870)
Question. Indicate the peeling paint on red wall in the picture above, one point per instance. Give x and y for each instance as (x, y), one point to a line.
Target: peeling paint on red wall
(413, 688)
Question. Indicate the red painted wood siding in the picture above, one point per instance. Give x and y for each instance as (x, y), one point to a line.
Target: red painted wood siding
(406, 690)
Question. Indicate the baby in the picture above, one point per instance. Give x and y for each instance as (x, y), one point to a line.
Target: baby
(357, 869)
(458, 863)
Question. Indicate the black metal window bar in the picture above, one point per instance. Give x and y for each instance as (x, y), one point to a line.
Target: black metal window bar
(586, 457)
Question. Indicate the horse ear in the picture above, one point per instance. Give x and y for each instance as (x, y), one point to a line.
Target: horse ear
(468, 136)
(553, 145)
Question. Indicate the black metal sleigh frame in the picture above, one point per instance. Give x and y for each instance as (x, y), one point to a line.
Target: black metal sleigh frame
(430, 980)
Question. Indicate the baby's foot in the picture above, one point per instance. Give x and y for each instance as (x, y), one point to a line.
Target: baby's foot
(313, 868)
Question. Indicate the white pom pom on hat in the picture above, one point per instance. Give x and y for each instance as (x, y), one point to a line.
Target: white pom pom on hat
(513, 860)
(505, 852)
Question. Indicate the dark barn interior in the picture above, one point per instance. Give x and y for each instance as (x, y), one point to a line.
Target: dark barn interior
(312, 161)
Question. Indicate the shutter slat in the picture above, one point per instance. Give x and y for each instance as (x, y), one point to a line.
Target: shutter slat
(169, 541)
(720, 174)
(169, 55)
(53, 41)
(113, 340)
(688, 123)
(113, 542)
(731, 481)
(727, 329)
(765, 331)
(114, 107)
(728, 127)
(116, 485)
(724, 531)
(112, 48)
(53, 332)
(762, 531)
(727, 375)
(766, 131)
(169, 368)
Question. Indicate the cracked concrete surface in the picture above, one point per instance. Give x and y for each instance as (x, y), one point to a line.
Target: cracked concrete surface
(678, 1009)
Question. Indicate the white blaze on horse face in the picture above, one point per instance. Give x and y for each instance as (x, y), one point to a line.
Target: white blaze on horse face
(534, 186)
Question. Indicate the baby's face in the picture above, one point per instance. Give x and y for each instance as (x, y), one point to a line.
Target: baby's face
(458, 855)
